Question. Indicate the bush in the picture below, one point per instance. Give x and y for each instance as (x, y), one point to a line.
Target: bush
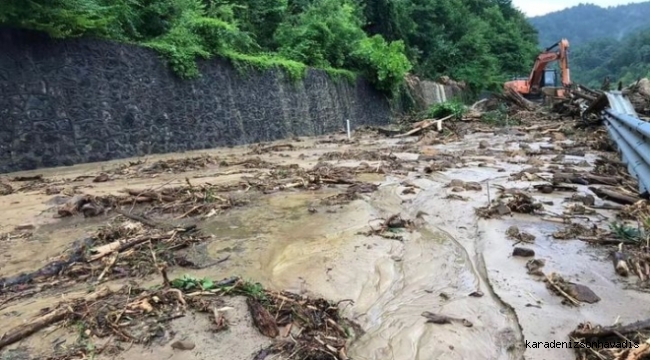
(444, 109)
(385, 64)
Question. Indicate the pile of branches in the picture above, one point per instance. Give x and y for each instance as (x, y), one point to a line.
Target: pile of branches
(303, 327)
(122, 249)
(510, 201)
(205, 199)
(627, 342)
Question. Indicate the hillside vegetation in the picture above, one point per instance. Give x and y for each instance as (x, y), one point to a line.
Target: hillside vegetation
(612, 41)
(624, 60)
(477, 41)
(586, 22)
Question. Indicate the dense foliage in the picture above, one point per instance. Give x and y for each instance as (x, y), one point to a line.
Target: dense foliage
(478, 41)
(604, 42)
(586, 22)
(624, 60)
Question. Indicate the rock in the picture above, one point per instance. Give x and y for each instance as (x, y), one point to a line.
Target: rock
(472, 185)
(534, 266)
(523, 252)
(183, 345)
(547, 189)
(583, 293)
(103, 177)
(483, 144)
(5, 189)
(644, 87)
(558, 136)
(456, 183)
(588, 200)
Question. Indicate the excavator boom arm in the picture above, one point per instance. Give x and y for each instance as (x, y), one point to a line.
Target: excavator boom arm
(547, 57)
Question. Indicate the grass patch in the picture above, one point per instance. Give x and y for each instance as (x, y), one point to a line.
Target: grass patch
(264, 62)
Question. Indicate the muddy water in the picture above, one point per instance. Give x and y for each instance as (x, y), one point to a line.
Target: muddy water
(450, 255)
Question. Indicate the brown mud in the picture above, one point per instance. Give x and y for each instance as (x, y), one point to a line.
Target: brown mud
(413, 243)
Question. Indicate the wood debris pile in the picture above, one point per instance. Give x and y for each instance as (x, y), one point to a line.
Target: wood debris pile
(208, 199)
(391, 227)
(510, 201)
(124, 248)
(617, 342)
(300, 326)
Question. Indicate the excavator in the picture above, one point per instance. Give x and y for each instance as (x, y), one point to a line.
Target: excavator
(541, 84)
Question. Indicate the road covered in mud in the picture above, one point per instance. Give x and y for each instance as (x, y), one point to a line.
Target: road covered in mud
(472, 242)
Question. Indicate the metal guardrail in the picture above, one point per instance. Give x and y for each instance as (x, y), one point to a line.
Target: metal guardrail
(631, 136)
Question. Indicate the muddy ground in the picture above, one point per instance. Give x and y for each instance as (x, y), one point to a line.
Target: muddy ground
(326, 234)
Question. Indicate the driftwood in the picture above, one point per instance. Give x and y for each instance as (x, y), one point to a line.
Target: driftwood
(441, 319)
(585, 179)
(515, 98)
(616, 196)
(24, 330)
(419, 126)
(262, 319)
(612, 330)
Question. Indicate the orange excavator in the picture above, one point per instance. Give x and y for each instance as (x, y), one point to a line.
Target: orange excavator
(542, 82)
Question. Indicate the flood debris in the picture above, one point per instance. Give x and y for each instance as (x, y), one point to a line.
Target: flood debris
(514, 233)
(572, 293)
(137, 315)
(510, 201)
(258, 149)
(441, 319)
(457, 185)
(124, 248)
(550, 188)
(209, 199)
(390, 227)
(629, 342)
(534, 267)
(577, 231)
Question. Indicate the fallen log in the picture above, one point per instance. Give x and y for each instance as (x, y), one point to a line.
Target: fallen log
(24, 330)
(119, 246)
(615, 196)
(425, 124)
(591, 179)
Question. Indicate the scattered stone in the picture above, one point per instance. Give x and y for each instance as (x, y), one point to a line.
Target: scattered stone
(513, 232)
(483, 144)
(183, 345)
(534, 266)
(523, 252)
(103, 177)
(5, 189)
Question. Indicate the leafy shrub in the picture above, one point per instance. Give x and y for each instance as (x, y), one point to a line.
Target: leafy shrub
(385, 64)
(446, 108)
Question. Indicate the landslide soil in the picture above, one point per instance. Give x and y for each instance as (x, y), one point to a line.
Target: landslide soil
(449, 262)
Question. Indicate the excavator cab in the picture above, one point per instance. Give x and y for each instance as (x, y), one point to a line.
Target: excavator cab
(542, 83)
(549, 78)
